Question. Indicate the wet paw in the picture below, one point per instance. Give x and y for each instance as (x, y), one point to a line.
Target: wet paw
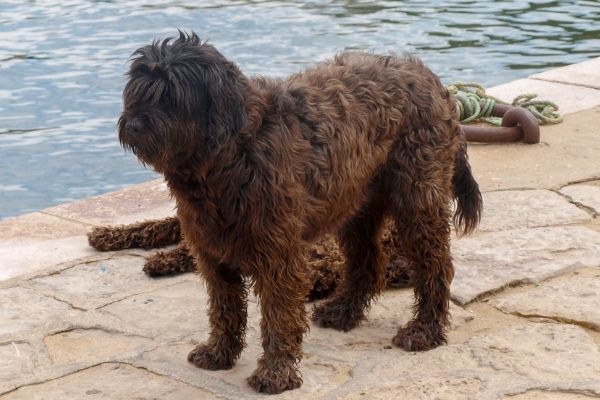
(417, 336)
(280, 377)
(208, 357)
(337, 315)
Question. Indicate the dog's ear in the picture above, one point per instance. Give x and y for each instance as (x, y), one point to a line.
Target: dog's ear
(226, 89)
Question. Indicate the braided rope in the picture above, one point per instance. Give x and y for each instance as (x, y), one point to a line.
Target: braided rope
(473, 104)
(545, 111)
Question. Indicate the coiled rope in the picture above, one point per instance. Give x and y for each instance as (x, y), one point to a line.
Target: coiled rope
(473, 104)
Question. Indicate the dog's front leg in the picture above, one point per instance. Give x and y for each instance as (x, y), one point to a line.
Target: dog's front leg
(227, 316)
(281, 285)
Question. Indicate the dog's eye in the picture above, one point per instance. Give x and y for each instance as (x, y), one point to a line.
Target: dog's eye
(133, 125)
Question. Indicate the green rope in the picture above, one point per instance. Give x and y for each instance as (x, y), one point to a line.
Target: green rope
(545, 111)
(473, 104)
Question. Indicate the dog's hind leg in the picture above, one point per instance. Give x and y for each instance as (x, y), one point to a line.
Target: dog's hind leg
(227, 314)
(364, 276)
(427, 243)
(421, 196)
(146, 235)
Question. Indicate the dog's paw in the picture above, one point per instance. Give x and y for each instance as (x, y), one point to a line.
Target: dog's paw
(208, 357)
(160, 265)
(279, 377)
(417, 336)
(339, 315)
(171, 262)
(399, 273)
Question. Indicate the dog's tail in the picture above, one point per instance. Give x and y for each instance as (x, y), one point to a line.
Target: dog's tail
(145, 235)
(469, 203)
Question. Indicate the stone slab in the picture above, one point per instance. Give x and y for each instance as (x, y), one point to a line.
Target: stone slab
(18, 359)
(515, 360)
(110, 381)
(35, 241)
(587, 194)
(93, 284)
(568, 152)
(23, 311)
(38, 226)
(491, 261)
(61, 343)
(516, 209)
(574, 298)
(92, 346)
(548, 395)
(569, 98)
(149, 200)
(170, 312)
(584, 73)
(26, 257)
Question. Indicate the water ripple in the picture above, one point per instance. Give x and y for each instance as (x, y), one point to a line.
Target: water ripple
(62, 65)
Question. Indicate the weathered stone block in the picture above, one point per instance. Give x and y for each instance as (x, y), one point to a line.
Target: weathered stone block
(491, 261)
(572, 298)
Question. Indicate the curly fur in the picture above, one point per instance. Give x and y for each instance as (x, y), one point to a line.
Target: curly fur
(145, 235)
(260, 167)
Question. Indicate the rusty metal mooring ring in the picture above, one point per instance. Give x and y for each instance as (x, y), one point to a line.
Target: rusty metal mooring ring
(518, 124)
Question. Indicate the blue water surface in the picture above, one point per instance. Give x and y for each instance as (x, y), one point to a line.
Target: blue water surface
(62, 65)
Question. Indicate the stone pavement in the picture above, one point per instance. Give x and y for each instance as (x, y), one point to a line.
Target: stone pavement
(75, 323)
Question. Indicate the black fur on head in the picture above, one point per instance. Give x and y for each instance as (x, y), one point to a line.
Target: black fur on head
(182, 101)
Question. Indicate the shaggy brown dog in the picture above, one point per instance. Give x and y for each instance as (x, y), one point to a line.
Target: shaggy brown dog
(260, 167)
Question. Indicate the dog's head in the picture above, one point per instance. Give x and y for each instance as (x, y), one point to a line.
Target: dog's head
(182, 101)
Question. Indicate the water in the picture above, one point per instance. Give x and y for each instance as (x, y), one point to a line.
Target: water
(62, 65)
